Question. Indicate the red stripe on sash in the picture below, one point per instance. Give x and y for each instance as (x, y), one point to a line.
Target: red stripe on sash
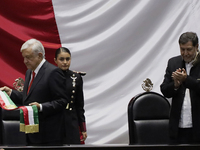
(26, 119)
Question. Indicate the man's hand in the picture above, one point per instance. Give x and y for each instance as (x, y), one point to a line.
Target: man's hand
(179, 77)
(37, 104)
(6, 89)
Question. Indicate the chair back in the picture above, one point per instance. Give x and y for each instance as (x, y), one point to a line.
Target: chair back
(10, 134)
(148, 118)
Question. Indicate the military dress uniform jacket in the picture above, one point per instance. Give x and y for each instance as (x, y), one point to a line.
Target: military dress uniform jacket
(48, 90)
(192, 82)
(75, 108)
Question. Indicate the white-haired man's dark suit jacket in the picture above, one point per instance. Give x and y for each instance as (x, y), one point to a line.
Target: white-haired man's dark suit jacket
(48, 90)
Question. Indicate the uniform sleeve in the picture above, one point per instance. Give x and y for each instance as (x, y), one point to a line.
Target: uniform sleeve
(80, 105)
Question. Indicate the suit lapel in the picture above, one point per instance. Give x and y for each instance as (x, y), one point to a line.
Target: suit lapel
(26, 83)
(37, 79)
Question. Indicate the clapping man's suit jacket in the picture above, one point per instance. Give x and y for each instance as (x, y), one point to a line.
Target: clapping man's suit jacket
(192, 82)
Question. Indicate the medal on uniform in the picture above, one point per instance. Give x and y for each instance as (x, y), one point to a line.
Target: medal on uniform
(74, 80)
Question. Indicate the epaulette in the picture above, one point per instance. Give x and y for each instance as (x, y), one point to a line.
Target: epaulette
(80, 72)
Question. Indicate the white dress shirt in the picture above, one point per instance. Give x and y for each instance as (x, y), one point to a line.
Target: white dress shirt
(186, 114)
(38, 68)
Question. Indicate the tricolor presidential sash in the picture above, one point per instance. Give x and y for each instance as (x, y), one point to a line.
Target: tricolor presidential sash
(29, 122)
(6, 102)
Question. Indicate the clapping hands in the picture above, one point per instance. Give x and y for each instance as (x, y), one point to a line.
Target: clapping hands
(179, 77)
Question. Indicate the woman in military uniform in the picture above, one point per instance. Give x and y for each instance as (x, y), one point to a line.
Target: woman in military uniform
(74, 114)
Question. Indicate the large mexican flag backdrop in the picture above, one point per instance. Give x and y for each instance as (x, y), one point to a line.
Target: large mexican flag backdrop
(119, 43)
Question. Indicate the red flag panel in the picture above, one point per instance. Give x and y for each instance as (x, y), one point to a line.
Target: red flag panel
(21, 20)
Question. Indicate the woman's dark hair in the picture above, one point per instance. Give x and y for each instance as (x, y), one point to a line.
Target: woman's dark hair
(189, 36)
(62, 49)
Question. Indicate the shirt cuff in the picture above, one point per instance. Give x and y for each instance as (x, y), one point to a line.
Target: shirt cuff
(40, 108)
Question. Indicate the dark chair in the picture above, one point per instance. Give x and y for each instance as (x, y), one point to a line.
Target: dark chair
(11, 136)
(148, 118)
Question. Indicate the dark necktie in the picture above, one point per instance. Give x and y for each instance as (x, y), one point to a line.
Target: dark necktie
(33, 76)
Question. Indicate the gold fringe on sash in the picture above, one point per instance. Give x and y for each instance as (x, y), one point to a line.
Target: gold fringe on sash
(32, 128)
(22, 127)
(29, 128)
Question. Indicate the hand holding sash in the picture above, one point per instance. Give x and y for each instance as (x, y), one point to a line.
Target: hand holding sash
(6, 89)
